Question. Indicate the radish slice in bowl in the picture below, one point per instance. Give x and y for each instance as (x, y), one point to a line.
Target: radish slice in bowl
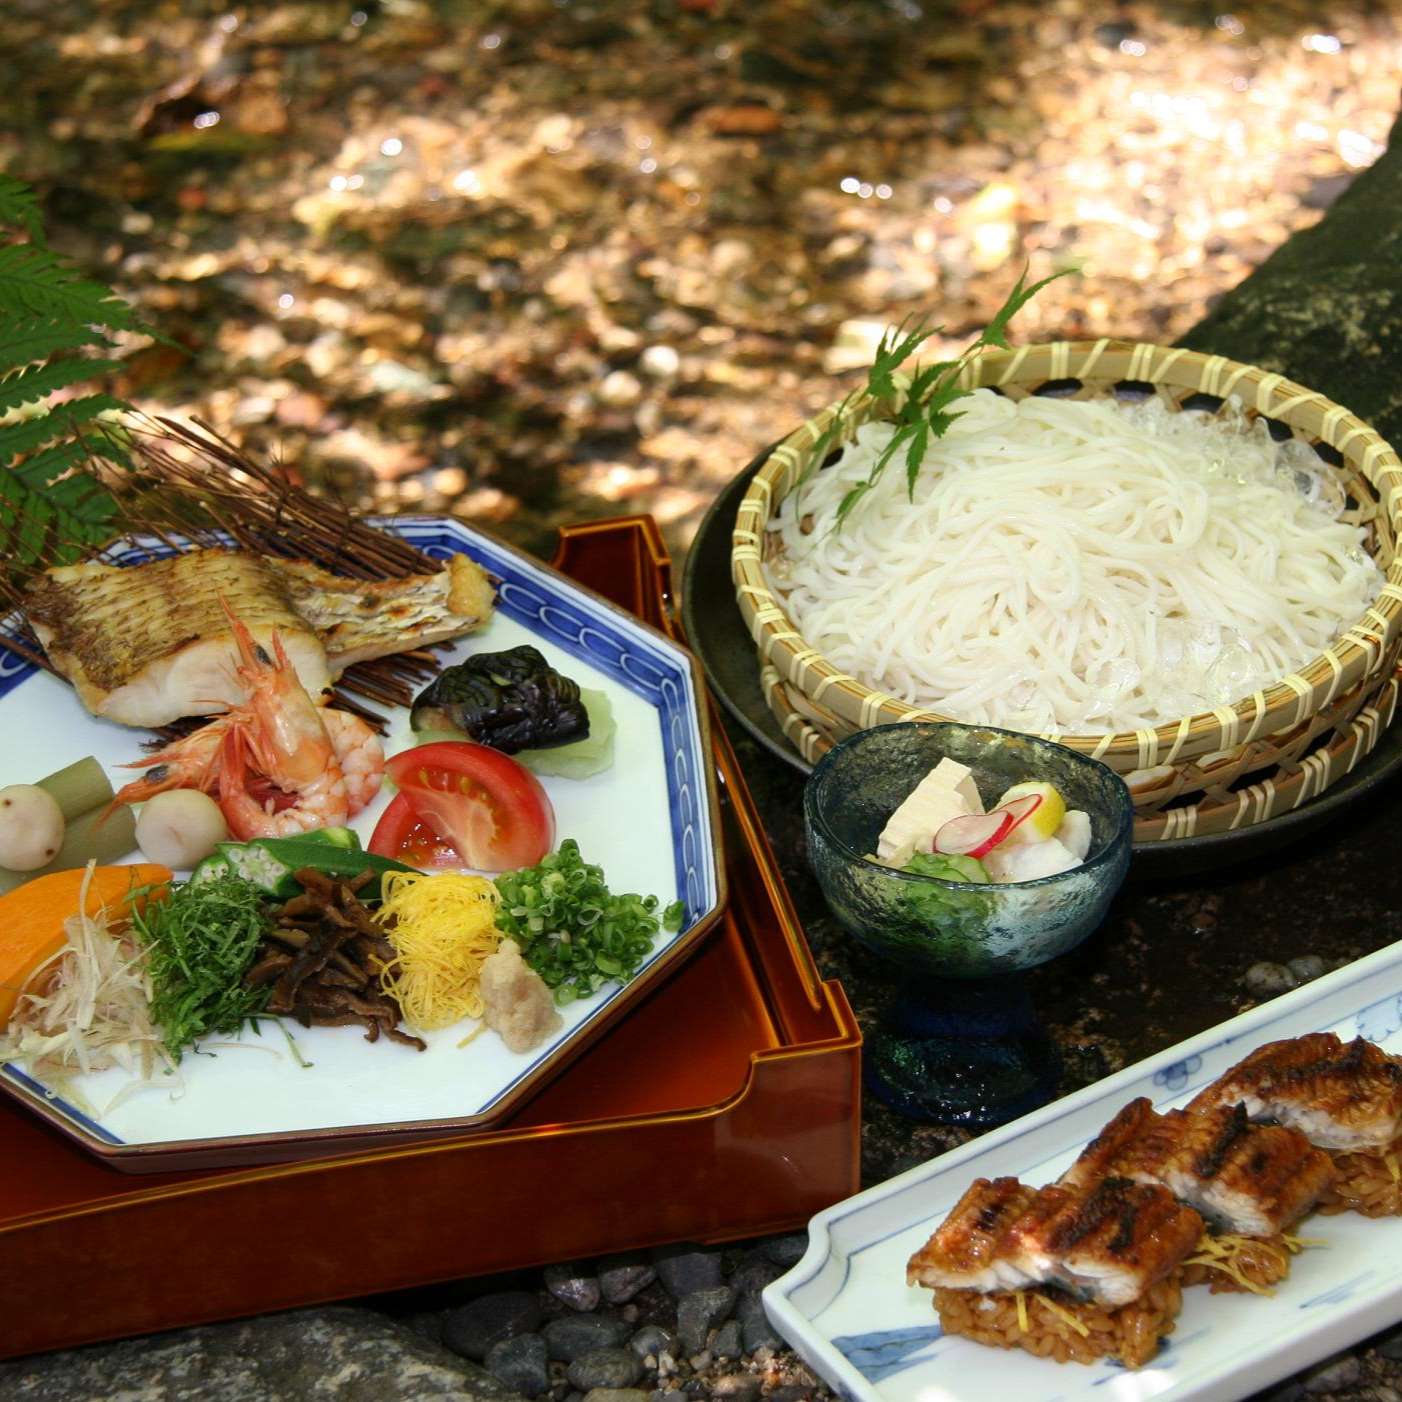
(978, 833)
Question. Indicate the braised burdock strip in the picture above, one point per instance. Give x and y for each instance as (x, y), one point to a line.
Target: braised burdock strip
(1344, 1097)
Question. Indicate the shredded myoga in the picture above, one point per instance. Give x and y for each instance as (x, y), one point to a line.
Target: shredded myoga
(1075, 565)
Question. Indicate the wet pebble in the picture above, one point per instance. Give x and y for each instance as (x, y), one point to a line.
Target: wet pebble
(791, 1392)
(573, 1284)
(652, 1341)
(661, 362)
(787, 1251)
(754, 1273)
(700, 1312)
(573, 1336)
(606, 1368)
(621, 1277)
(737, 1387)
(728, 1342)
(1334, 1375)
(1306, 968)
(684, 1270)
(1269, 979)
(472, 1330)
(620, 389)
(522, 1364)
(616, 1394)
(758, 1331)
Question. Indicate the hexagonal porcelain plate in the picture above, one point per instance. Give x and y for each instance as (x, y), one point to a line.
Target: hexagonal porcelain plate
(649, 821)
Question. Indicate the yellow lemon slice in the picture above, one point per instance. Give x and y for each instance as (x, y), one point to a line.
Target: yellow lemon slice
(1044, 821)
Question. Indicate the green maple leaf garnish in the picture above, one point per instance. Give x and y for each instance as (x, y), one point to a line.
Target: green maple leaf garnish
(924, 413)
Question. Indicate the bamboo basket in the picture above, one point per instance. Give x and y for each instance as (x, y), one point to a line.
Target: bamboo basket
(1230, 767)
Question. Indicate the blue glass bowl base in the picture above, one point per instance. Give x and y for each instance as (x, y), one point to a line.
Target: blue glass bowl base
(962, 1053)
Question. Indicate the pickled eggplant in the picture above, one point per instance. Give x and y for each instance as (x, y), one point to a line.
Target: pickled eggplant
(513, 700)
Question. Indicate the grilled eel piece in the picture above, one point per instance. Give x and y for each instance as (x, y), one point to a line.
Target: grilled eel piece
(1255, 1180)
(1107, 1243)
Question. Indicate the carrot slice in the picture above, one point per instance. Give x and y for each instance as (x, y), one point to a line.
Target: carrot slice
(32, 916)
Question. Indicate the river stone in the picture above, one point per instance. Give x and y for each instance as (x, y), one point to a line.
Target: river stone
(573, 1284)
(573, 1336)
(360, 1355)
(606, 1368)
(786, 1251)
(1334, 1376)
(699, 1313)
(1325, 309)
(754, 1273)
(728, 1341)
(621, 1277)
(683, 1270)
(737, 1387)
(616, 1394)
(472, 1330)
(758, 1331)
(652, 1340)
(1306, 968)
(521, 1363)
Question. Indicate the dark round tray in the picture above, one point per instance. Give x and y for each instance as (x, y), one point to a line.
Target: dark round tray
(717, 636)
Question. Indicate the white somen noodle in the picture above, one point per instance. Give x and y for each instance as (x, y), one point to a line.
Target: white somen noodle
(1075, 565)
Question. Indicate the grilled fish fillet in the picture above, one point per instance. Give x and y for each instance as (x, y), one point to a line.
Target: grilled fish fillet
(147, 644)
(1108, 1243)
(1251, 1179)
(1341, 1096)
(971, 1249)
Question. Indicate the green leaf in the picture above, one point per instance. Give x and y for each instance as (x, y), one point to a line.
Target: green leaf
(29, 434)
(923, 414)
(995, 333)
(850, 500)
(19, 208)
(895, 348)
(41, 282)
(24, 340)
(915, 458)
(36, 382)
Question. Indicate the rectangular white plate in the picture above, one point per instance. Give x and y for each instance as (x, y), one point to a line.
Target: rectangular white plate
(848, 1312)
(649, 821)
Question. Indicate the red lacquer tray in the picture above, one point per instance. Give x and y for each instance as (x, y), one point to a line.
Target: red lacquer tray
(724, 1105)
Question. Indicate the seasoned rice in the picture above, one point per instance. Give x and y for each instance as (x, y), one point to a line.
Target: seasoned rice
(1061, 1328)
(1369, 1182)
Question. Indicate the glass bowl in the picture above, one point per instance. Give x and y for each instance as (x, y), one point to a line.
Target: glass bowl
(955, 929)
(960, 1042)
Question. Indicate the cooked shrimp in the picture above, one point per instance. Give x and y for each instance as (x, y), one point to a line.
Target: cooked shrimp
(329, 762)
(320, 802)
(281, 735)
(188, 763)
(360, 755)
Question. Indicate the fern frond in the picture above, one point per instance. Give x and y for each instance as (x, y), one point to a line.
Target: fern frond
(19, 208)
(25, 339)
(66, 419)
(36, 382)
(38, 526)
(35, 281)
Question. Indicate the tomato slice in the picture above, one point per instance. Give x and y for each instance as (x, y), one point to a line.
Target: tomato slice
(490, 809)
(403, 835)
